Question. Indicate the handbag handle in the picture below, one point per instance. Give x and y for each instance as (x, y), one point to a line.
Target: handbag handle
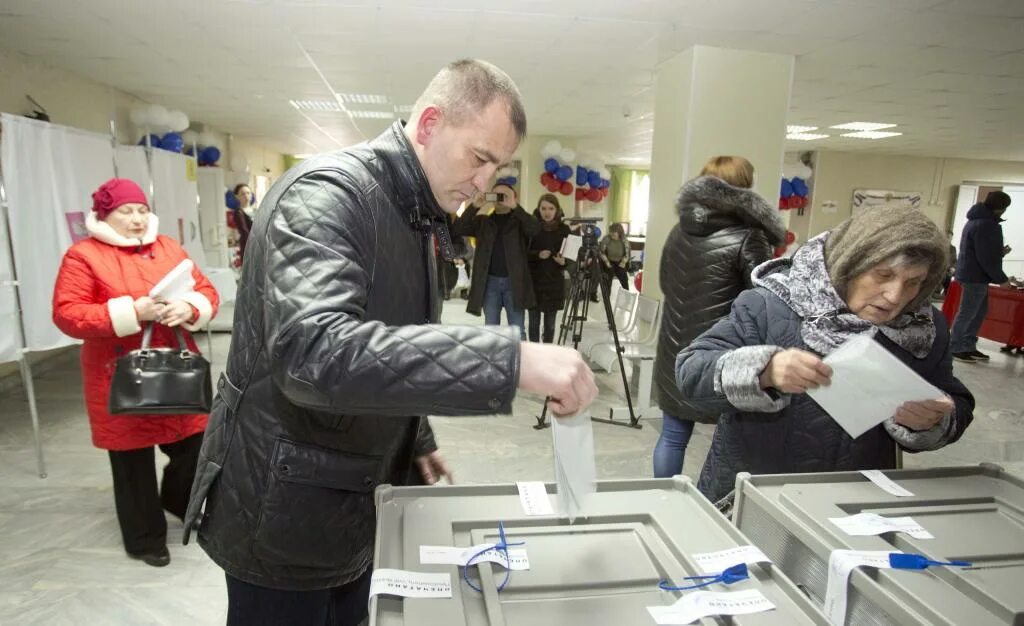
(147, 339)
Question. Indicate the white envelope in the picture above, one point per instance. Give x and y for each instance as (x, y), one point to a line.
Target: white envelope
(868, 385)
(575, 469)
(176, 283)
(571, 247)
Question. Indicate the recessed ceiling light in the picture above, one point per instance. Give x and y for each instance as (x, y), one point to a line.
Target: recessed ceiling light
(364, 98)
(862, 126)
(805, 136)
(315, 105)
(800, 129)
(372, 115)
(871, 134)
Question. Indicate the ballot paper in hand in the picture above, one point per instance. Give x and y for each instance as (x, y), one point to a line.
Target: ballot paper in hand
(176, 283)
(868, 385)
(575, 471)
(571, 247)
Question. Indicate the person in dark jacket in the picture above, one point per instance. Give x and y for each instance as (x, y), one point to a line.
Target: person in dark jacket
(725, 230)
(980, 263)
(501, 277)
(871, 275)
(614, 253)
(547, 266)
(336, 355)
(243, 216)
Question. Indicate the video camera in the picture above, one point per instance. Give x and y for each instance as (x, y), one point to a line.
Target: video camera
(587, 229)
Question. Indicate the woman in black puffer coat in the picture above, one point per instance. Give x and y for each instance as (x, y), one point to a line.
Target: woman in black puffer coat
(725, 230)
(546, 267)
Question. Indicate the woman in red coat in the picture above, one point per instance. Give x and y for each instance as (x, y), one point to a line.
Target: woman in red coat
(101, 297)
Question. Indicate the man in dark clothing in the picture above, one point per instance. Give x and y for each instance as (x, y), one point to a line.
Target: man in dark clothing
(501, 277)
(337, 356)
(979, 264)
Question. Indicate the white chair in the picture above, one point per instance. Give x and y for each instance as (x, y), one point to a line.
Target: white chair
(643, 333)
(624, 306)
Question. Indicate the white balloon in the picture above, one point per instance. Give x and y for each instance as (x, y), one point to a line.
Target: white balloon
(239, 164)
(567, 155)
(139, 115)
(207, 139)
(551, 149)
(177, 121)
(513, 171)
(156, 117)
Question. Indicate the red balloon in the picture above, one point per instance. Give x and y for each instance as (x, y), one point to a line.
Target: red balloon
(594, 195)
(638, 282)
(604, 192)
(566, 188)
(783, 203)
(779, 252)
(581, 194)
(546, 178)
(553, 185)
(790, 237)
(802, 202)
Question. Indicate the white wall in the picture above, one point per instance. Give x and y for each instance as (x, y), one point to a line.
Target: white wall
(837, 174)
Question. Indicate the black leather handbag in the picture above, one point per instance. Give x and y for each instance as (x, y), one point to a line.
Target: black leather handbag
(161, 381)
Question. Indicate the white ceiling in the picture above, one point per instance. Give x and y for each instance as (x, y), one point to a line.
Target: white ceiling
(949, 72)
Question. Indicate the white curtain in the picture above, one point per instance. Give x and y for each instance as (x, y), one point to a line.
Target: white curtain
(176, 201)
(50, 172)
(9, 342)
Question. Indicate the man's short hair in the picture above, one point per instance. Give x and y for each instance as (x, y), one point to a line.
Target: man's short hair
(468, 86)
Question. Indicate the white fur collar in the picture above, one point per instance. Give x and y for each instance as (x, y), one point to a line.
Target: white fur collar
(98, 229)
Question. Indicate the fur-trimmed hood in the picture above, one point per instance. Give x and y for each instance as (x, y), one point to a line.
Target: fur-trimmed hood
(708, 204)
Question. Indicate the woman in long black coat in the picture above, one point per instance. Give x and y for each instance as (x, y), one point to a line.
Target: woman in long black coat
(546, 267)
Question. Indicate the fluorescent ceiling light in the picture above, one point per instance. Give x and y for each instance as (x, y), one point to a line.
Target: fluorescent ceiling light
(871, 134)
(364, 98)
(315, 105)
(302, 155)
(403, 108)
(372, 115)
(805, 136)
(800, 129)
(862, 126)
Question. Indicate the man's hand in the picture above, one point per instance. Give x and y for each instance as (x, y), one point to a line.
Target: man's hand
(1007, 250)
(795, 371)
(174, 313)
(544, 254)
(559, 259)
(559, 373)
(433, 468)
(924, 414)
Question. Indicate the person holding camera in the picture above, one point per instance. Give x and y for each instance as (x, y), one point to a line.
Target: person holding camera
(501, 276)
(547, 266)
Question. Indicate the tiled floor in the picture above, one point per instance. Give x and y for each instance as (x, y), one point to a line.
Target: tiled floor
(61, 560)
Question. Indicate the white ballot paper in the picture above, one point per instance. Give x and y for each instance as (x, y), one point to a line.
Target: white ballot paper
(571, 247)
(868, 385)
(886, 484)
(448, 555)
(575, 470)
(840, 564)
(405, 584)
(176, 283)
(867, 524)
(715, 562)
(700, 604)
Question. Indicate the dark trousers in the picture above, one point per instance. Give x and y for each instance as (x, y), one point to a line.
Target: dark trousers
(252, 605)
(615, 271)
(963, 337)
(140, 506)
(549, 325)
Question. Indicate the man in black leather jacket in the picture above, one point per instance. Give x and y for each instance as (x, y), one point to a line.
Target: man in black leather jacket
(336, 355)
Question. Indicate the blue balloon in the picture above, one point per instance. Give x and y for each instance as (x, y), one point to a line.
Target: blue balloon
(594, 179)
(550, 166)
(230, 200)
(209, 155)
(154, 140)
(581, 175)
(511, 180)
(605, 183)
(172, 142)
(597, 232)
(564, 173)
(786, 190)
(800, 187)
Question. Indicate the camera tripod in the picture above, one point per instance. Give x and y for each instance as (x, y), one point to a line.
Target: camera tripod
(585, 277)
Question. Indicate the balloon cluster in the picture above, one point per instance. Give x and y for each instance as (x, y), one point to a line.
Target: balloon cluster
(793, 193)
(592, 184)
(508, 176)
(557, 170)
(231, 202)
(790, 240)
(153, 117)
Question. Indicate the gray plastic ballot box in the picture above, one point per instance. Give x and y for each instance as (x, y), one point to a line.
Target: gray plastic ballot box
(975, 513)
(603, 569)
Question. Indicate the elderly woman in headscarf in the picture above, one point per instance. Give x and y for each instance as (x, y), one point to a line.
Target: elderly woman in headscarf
(872, 275)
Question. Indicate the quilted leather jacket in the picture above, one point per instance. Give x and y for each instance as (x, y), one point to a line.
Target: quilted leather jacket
(335, 357)
(723, 233)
